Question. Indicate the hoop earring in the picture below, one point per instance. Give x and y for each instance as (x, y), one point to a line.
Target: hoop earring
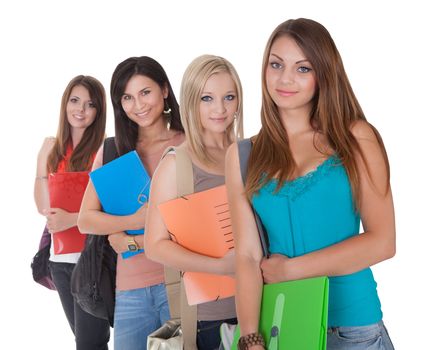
(167, 110)
(167, 114)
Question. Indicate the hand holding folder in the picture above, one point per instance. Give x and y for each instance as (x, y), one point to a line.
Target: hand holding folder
(201, 223)
(66, 191)
(122, 186)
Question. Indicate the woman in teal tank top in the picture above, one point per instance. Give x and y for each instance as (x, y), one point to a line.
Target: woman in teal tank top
(317, 169)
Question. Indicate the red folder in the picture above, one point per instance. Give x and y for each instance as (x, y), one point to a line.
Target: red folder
(201, 223)
(66, 192)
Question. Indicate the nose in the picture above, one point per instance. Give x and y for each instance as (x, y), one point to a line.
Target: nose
(220, 106)
(138, 103)
(287, 77)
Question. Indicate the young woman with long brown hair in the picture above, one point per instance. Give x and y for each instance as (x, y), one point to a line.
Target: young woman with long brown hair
(317, 168)
(80, 133)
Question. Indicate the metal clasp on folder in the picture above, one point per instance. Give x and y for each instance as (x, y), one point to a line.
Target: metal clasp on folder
(142, 198)
(276, 322)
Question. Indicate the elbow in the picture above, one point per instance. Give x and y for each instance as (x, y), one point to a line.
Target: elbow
(149, 248)
(389, 248)
(83, 223)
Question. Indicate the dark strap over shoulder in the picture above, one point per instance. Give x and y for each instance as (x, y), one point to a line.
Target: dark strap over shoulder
(244, 147)
(109, 150)
(244, 152)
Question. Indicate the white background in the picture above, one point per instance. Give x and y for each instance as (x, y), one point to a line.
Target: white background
(387, 48)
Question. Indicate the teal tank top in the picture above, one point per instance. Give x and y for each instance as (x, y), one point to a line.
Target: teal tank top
(313, 212)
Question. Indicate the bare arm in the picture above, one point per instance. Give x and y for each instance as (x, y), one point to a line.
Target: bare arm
(249, 281)
(375, 244)
(42, 199)
(157, 241)
(93, 220)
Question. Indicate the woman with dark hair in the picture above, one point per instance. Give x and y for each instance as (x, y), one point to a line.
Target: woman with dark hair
(147, 120)
(317, 168)
(80, 133)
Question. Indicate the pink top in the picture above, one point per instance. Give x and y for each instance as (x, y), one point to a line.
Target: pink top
(138, 271)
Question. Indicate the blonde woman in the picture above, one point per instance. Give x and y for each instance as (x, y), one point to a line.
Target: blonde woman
(211, 113)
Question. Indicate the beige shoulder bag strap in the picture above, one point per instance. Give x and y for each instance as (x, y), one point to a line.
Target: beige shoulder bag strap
(179, 308)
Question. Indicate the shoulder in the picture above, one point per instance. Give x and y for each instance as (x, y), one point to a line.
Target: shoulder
(98, 161)
(362, 130)
(232, 154)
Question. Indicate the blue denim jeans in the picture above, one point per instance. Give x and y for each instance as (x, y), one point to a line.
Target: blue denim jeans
(372, 337)
(139, 312)
(91, 333)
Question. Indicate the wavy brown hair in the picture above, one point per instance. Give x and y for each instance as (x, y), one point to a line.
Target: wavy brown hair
(82, 155)
(334, 109)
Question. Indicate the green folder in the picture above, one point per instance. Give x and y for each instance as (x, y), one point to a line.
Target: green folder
(294, 315)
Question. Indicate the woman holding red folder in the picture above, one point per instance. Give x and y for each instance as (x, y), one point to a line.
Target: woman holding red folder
(319, 169)
(211, 112)
(147, 120)
(80, 133)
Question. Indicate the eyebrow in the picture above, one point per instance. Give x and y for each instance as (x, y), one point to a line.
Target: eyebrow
(147, 87)
(211, 93)
(300, 61)
(73, 96)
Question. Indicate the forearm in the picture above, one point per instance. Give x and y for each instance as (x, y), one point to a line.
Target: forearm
(99, 223)
(41, 195)
(349, 256)
(172, 254)
(249, 286)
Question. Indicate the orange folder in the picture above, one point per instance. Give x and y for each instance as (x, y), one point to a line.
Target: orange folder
(66, 192)
(201, 223)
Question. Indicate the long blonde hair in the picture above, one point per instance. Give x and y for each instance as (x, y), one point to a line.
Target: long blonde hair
(192, 85)
(335, 108)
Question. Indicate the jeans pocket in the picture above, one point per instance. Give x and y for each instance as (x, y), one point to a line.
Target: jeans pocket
(366, 335)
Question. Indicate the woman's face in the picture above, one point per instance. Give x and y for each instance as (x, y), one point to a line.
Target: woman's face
(290, 78)
(80, 109)
(143, 100)
(219, 102)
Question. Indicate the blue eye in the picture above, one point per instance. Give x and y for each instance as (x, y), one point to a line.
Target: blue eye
(206, 98)
(304, 69)
(230, 97)
(275, 65)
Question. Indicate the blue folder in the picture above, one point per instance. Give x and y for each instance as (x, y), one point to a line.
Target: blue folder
(122, 186)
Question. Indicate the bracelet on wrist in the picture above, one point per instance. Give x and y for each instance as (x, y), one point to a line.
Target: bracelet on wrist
(41, 177)
(246, 341)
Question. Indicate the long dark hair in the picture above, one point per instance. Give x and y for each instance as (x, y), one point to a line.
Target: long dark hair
(335, 108)
(82, 155)
(126, 131)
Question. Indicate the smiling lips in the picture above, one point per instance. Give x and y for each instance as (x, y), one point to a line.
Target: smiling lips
(142, 114)
(285, 93)
(219, 119)
(79, 116)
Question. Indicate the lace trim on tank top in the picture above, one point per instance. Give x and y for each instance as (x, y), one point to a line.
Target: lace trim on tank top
(296, 187)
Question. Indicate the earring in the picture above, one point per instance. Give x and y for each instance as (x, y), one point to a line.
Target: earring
(168, 115)
(167, 110)
(235, 116)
